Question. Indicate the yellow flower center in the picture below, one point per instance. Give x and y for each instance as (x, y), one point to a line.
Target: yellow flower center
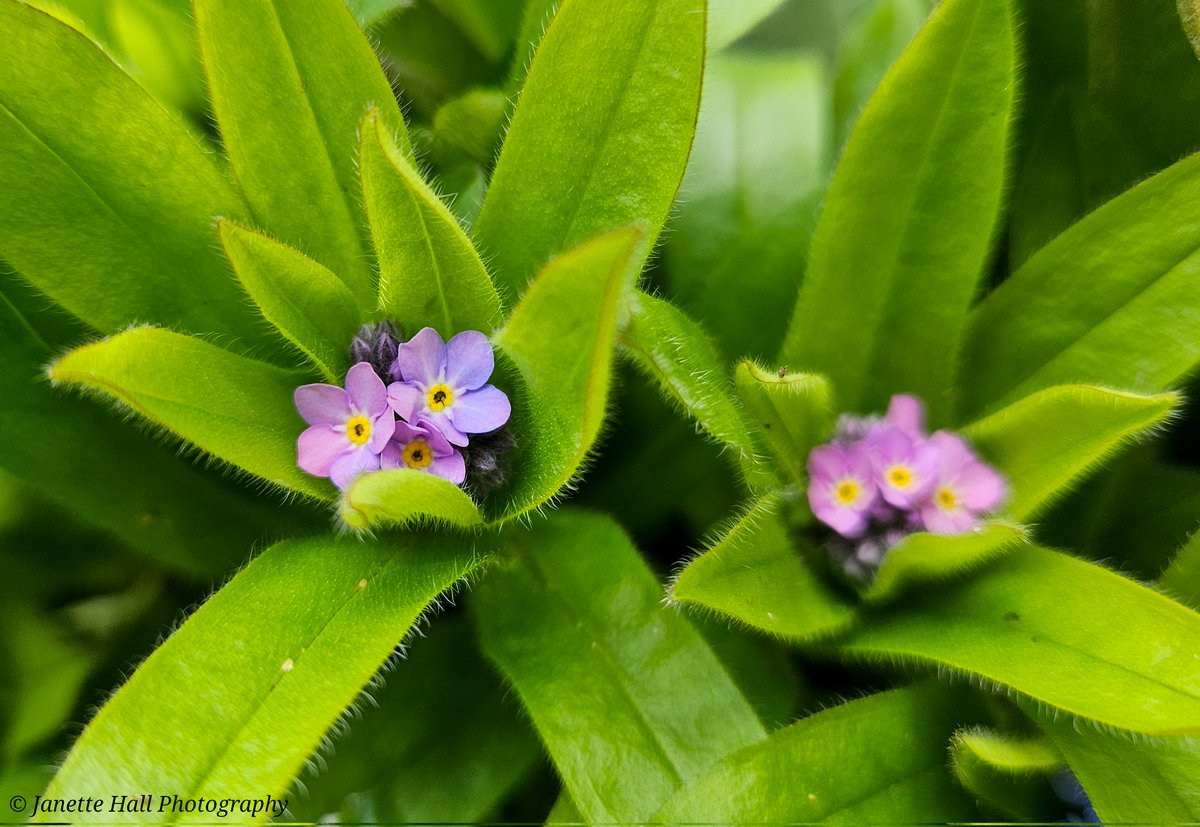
(946, 499)
(846, 492)
(899, 477)
(417, 454)
(440, 396)
(358, 429)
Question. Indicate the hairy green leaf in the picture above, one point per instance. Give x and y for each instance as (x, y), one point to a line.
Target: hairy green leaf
(429, 272)
(1063, 632)
(904, 234)
(793, 412)
(1046, 441)
(235, 408)
(402, 496)
(107, 199)
(304, 300)
(754, 574)
(827, 769)
(290, 82)
(1009, 773)
(1182, 578)
(602, 668)
(561, 338)
(1189, 15)
(240, 696)
(601, 133)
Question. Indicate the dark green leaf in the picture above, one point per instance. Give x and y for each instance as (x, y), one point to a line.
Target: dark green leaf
(793, 412)
(1009, 773)
(1182, 579)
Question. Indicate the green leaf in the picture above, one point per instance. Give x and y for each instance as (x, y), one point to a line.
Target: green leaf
(1182, 578)
(730, 19)
(1047, 441)
(429, 273)
(628, 698)
(1063, 632)
(674, 351)
(1129, 782)
(754, 574)
(107, 200)
(763, 668)
(561, 338)
(904, 235)
(159, 40)
(235, 408)
(1135, 328)
(601, 133)
(403, 496)
(290, 82)
(1009, 773)
(793, 412)
(1189, 15)
(923, 557)
(304, 300)
(249, 685)
(490, 25)
(827, 769)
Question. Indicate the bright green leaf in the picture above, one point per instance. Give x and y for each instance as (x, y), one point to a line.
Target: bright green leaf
(675, 352)
(561, 337)
(429, 272)
(1048, 440)
(730, 19)
(793, 412)
(829, 768)
(1111, 301)
(159, 41)
(626, 695)
(291, 80)
(1182, 578)
(601, 133)
(304, 300)
(755, 575)
(249, 685)
(402, 496)
(235, 408)
(107, 200)
(1063, 632)
(904, 234)
(1009, 773)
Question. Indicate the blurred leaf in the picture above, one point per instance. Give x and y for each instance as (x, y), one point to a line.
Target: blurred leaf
(755, 575)
(904, 235)
(1063, 632)
(235, 408)
(761, 667)
(925, 558)
(740, 232)
(626, 695)
(1048, 440)
(473, 124)
(535, 19)
(829, 768)
(307, 303)
(730, 19)
(793, 412)
(1009, 773)
(159, 40)
(249, 685)
(491, 25)
(675, 352)
(1182, 578)
(290, 82)
(429, 272)
(404, 496)
(107, 200)
(369, 13)
(1134, 326)
(600, 135)
(561, 338)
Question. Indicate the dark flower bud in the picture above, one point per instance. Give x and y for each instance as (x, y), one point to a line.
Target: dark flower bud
(487, 460)
(377, 345)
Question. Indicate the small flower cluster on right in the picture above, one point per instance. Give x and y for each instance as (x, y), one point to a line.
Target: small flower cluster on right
(880, 479)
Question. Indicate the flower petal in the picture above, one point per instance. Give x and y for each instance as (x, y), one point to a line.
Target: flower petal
(367, 391)
(469, 360)
(405, 399)
(826, 463)
(345, 468)
(318, 447)
(981, 487)
(422, 359)
(452, 467)
(438, 420)
(941, 521)
(322, 404)
(381, 431)
(438, 443)
(908, 414)
(480, 411)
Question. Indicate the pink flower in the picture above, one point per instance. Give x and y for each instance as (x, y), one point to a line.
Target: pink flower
(964, 488)
(349, 427)
(841, 488)
(422, 447)
(905, 465)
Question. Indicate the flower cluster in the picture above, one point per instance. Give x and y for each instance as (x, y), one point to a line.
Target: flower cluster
(879, 480)
(407, 404)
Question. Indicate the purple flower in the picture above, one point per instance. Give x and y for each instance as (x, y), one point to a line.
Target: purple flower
(350, 426)
(964, 488)
(907, 413)
(421, 446)
(445, 384)
(905, 466)
(841, 489)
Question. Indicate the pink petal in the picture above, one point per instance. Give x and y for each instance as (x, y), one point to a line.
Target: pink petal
(393, 453)
(405, 399)
(908, 414)
(322, 404)
(367, 391)
(437, 441)
(826, 462)
(940, 521)
(381, 431)
(452, 467)
(469, 360)
(350, 465)
(440, 421)
(953, 454)
(981, 487)
(480, 411)
(422, 358)
(318, 447)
